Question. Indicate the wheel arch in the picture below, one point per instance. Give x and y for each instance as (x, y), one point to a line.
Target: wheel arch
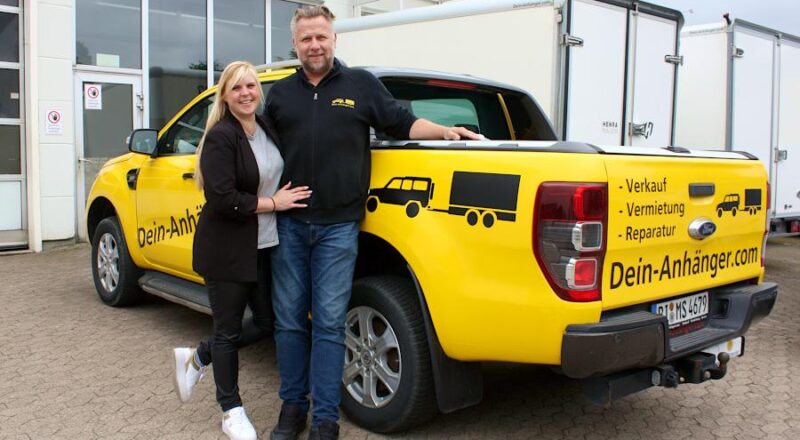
(100, 208)
(458, 384)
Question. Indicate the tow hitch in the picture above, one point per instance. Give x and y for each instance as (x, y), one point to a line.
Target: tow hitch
(710, 364)
(696, 368)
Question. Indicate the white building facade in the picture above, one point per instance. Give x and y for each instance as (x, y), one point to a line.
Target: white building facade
(76, 76)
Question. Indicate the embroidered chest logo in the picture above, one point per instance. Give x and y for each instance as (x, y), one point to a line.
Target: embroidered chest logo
(343, 102)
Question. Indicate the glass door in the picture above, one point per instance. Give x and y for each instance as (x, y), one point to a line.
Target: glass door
(13, 216)
(108, 108)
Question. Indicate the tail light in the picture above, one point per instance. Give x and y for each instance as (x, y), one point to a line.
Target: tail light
(569, 237)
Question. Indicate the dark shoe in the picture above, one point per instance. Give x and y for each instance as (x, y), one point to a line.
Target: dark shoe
(291, 423)
(327, 430)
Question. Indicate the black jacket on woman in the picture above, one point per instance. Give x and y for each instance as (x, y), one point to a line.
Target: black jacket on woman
(225, 244)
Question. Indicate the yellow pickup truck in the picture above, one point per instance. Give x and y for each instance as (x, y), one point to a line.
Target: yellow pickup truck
(613, 265)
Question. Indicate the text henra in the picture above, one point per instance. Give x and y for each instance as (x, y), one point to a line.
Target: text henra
(646, 185)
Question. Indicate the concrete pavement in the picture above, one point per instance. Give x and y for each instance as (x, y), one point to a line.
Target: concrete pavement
(73, 368)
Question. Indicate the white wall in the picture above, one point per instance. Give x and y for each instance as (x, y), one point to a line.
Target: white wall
(56, 153)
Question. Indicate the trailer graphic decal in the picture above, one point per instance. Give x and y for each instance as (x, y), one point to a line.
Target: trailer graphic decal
(732, 202)
(480, 197)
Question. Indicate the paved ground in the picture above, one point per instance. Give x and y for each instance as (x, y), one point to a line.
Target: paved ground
(72, 368)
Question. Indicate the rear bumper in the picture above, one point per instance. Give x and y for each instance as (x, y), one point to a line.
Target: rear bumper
(639, 339)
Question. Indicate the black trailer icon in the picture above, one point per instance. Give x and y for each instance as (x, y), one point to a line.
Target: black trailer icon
(752, 200)
(484, 196)
(412, 192)
(731, 202)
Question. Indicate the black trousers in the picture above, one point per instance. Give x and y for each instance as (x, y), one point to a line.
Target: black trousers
(228, 302)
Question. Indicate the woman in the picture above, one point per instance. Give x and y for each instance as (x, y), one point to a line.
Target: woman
(239, 167)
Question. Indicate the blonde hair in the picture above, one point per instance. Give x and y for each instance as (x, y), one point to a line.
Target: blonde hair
(310, 11)
(233, 73)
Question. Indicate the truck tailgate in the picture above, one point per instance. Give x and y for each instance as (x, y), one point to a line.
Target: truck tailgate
(654, 201)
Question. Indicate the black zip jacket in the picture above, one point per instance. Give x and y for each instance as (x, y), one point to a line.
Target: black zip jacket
(325, 143)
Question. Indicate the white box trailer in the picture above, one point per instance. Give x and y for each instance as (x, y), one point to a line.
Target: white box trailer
(603, 70)
(740, 88)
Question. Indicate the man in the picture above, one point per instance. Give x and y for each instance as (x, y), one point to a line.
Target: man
(325, 145)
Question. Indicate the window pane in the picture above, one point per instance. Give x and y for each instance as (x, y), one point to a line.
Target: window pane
(9, 37)
(184, 136)
(105, 130)
(282, 12)
(177, 56)
(9, 2)
(108, 33)
(9, 150)
(9, 93)
(449, 112)
(238, 32)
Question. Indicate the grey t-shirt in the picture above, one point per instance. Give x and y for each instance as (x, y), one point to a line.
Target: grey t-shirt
(270, 167)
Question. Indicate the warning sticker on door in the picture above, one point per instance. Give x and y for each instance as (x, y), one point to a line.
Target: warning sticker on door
(92, 96)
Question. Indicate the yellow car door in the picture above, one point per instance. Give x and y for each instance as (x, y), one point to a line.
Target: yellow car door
(168, 203)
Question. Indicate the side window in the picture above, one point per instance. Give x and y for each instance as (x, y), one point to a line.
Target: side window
(184, 136)
(420, 185)
(394, 183)
(448, 112)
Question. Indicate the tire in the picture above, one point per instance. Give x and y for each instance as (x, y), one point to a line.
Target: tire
(472, 217)
(733, 212)
(719, 212)
(488, 219)
(372, 203)
(115, 276)
(412, 209)
(386, 307)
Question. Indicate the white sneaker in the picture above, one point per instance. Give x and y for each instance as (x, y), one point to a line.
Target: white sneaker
(187, 373)
(237, 426)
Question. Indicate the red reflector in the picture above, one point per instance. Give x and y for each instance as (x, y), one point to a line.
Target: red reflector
(584, 295)
(450, 84)
(585, 271)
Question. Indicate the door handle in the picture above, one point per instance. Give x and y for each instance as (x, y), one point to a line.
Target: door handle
(188, 176)
(644, 129)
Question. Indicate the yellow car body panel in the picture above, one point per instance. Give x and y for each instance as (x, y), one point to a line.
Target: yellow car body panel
(650, 255)
(168, 206)
(110, 184)
(487, 297)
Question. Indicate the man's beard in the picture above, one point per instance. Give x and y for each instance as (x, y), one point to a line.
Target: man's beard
(323, 67)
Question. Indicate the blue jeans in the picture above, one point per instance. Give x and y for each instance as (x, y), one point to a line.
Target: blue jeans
(312, 270)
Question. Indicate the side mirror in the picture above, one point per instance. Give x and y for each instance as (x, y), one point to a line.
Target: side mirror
(143, 141)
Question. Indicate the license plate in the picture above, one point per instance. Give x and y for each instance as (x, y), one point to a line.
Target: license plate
(684, 310)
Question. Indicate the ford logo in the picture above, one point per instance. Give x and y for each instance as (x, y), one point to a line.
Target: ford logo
(701, 228)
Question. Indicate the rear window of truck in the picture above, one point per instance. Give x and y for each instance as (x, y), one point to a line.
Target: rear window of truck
(493, 112)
